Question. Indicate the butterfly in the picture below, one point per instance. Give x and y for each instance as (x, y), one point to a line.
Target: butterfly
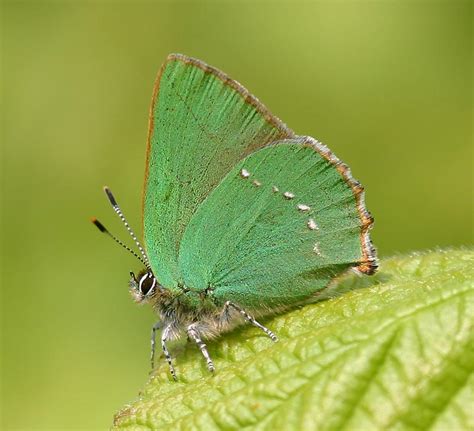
(242, 218)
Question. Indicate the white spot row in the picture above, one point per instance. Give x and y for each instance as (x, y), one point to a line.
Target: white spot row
(303, 207)
(244, 173)
(312, 224)
(316, 249)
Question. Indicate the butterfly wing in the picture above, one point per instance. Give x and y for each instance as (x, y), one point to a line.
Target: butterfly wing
(201, 124)
(282, 223)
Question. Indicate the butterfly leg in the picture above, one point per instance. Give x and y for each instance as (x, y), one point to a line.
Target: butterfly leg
(164, 338)
(194, 335)
(156, 327)
(248, 318)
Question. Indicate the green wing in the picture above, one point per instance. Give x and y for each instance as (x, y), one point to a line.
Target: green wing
(201, 124)
(283, 222)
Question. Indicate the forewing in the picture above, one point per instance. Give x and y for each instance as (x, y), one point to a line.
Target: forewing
(201, 124)
(281, 224)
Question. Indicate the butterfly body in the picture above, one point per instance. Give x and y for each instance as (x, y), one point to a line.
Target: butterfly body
(241, 216)
(183, 307)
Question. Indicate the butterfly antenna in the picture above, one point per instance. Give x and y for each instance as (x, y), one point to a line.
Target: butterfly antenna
(119, 212)
(103, 229)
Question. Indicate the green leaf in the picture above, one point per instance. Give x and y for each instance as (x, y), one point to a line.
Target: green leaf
(395, 351)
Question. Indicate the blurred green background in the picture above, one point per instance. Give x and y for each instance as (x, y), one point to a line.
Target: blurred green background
(387, 85)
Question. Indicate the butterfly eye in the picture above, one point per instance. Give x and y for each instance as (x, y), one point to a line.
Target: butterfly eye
(147, 284)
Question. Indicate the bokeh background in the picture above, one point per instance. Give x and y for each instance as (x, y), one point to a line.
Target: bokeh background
(387, 85)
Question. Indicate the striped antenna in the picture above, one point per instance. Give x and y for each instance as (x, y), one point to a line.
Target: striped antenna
(119, 212)
(103, 229)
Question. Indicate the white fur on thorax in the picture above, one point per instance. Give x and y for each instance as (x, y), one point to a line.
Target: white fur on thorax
(208, 324)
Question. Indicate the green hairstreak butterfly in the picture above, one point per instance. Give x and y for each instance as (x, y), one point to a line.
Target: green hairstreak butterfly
(241, 216)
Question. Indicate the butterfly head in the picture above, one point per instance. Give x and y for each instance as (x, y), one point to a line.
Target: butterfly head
(143, 286)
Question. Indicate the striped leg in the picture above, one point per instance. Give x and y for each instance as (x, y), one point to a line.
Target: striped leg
(164, 338)
(155, 328)
(194, 334)
(249, 319)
